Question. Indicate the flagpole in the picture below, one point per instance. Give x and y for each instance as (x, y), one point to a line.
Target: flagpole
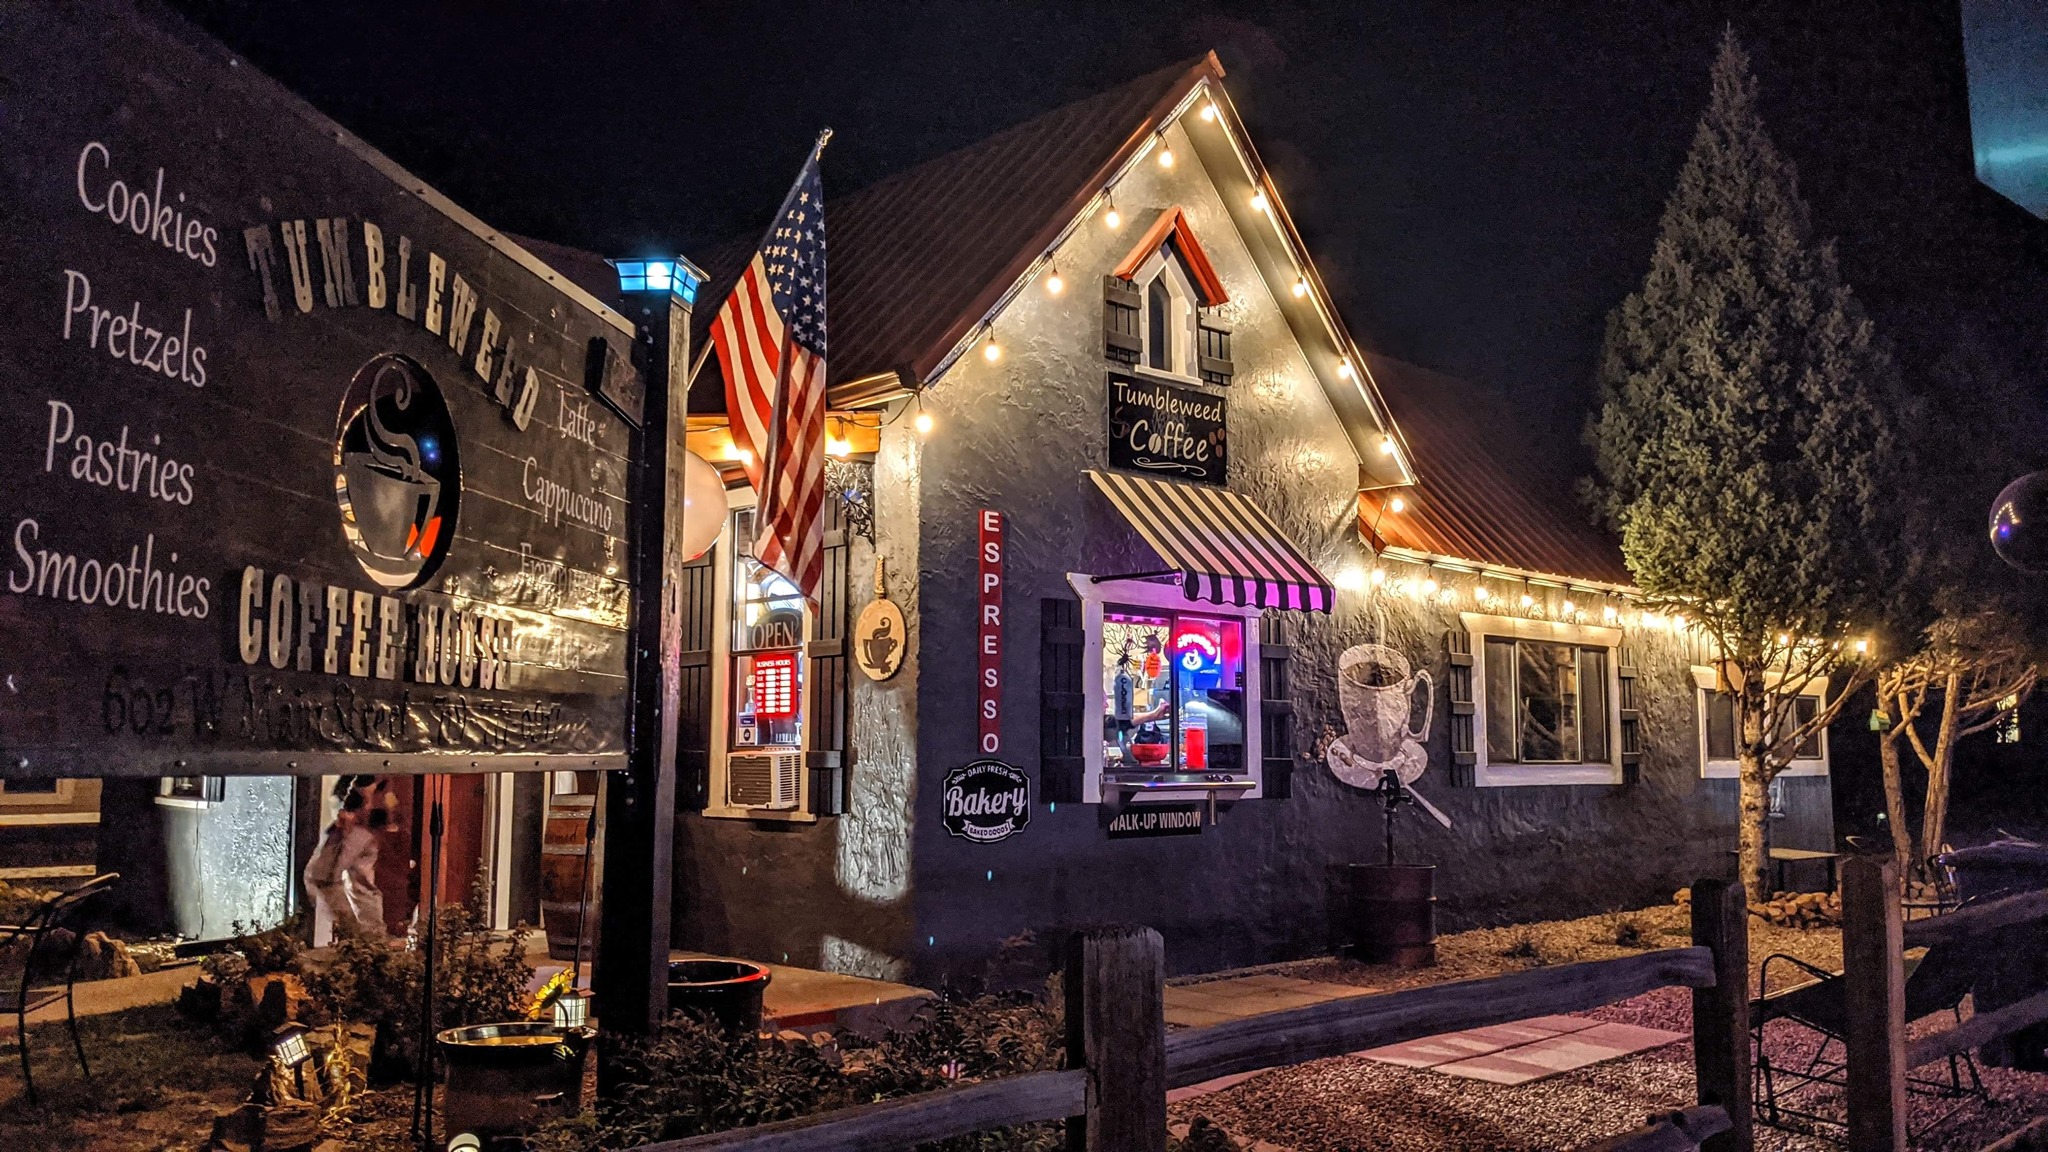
(704, 353)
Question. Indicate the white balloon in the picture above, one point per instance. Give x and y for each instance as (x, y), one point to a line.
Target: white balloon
(703, 505)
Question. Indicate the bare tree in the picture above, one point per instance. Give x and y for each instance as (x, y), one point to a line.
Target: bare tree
(1973, 672)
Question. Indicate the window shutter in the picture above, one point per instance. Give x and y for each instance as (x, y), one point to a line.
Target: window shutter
(697, 590)
(1212, 351)
(1464, 751)
(1276, 708)
(1120, 308)
(1062, 763)
(826, 757)
(1631, 717)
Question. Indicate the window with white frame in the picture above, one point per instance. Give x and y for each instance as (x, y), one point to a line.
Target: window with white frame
(1547, 698)
(759, 735)
(1173, 686)
(1168, 325)
(1719, 736)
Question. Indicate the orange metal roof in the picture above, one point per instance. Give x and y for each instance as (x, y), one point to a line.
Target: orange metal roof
(1484, 492)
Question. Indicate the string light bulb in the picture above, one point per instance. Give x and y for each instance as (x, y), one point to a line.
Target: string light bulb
(1209, 110)
(1379, 576)
(1113, 218)
(1862, 646)
(990, 350)
(1397, 505)
(1300, 286)
(1344, 369)
(1569, 607)
(1678, 623)
(1528, 601)
(1430, 587)
(922, 422)
(1165, 153)
(1609, 614)
(1386, 445)
(834, 446)
(1259, 203)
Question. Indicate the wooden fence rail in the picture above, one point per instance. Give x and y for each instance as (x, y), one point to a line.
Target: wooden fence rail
(1122, 1062)
(1874, 940)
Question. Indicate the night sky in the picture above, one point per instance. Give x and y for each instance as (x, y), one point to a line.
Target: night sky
(1479, 182)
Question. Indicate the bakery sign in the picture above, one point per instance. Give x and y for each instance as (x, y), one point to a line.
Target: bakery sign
(315, 472)
(1166, 429)
(985, 801)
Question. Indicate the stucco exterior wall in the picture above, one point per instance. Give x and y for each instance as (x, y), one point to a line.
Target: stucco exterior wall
(833, 894)
(1016, 435)
(884, 890)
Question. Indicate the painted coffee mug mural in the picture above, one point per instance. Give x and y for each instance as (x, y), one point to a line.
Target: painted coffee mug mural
(1376, 693)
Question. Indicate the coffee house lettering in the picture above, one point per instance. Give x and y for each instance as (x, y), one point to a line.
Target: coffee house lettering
(282, 621)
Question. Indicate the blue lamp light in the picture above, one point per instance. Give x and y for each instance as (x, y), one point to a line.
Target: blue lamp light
(660, 275)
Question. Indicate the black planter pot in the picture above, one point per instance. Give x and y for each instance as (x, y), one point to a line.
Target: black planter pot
(1393, 914)
(723, 992)
(506, 1080)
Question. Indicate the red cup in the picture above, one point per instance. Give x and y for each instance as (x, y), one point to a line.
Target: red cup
(1197, 749)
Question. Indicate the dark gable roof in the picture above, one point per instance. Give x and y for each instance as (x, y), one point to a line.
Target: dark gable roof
(914, 261)
(1485, 493)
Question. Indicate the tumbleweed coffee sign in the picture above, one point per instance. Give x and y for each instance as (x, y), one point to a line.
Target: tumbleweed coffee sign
(1167, 430)
(310, 469)
(985, 801)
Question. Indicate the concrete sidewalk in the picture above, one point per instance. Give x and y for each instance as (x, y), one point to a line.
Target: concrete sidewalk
(100, 997)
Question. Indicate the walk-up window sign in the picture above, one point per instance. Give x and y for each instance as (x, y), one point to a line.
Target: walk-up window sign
(310, 466)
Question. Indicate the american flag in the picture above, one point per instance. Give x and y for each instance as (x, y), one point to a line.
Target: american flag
(770, 337)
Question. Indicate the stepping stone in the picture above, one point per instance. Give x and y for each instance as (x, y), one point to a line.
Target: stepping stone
(1559, 1053)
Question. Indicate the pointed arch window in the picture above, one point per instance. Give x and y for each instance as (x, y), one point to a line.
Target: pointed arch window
(1170, 312)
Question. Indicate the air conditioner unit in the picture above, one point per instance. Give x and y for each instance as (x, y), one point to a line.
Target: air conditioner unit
(763, 779)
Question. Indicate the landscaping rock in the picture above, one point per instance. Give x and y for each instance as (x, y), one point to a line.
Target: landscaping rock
(102, 958)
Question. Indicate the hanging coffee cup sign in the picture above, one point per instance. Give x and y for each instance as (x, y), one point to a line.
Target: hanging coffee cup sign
(880, 635)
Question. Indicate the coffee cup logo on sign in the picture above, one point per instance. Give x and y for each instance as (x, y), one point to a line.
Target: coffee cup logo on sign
(1376, 693)
(397, 479)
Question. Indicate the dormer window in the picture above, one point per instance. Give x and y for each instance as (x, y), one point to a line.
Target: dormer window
(1153, 306)
(1169, 326)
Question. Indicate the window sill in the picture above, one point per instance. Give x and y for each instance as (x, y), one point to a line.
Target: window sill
(184, 802)
(1161, 375)
(761, 815)
(1525, 775)
(1732, 769)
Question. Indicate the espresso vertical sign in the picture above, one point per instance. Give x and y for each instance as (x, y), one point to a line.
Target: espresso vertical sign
(988, 644)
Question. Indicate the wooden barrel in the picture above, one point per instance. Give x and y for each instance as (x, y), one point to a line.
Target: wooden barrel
(561, 877)
(1393, 914)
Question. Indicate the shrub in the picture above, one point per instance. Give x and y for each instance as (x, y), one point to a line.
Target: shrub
(1630, 932)
(1522, 947)
(477, 980)
(690, 1078)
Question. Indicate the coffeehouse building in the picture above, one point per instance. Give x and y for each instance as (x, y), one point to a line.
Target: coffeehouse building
(1143, 576)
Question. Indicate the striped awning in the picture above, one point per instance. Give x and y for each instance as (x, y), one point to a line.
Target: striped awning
(1227, 550)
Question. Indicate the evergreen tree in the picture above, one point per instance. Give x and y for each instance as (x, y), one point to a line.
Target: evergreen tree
(1743, 446)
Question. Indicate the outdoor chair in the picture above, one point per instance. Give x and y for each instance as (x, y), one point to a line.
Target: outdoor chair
(46, 970)
(1935, 982)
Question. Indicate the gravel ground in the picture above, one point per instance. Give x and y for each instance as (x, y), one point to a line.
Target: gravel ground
(1349, 1104)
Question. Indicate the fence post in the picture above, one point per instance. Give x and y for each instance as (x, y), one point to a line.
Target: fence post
(1720, 1015)
(1116, 1029)
(1874, 993)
